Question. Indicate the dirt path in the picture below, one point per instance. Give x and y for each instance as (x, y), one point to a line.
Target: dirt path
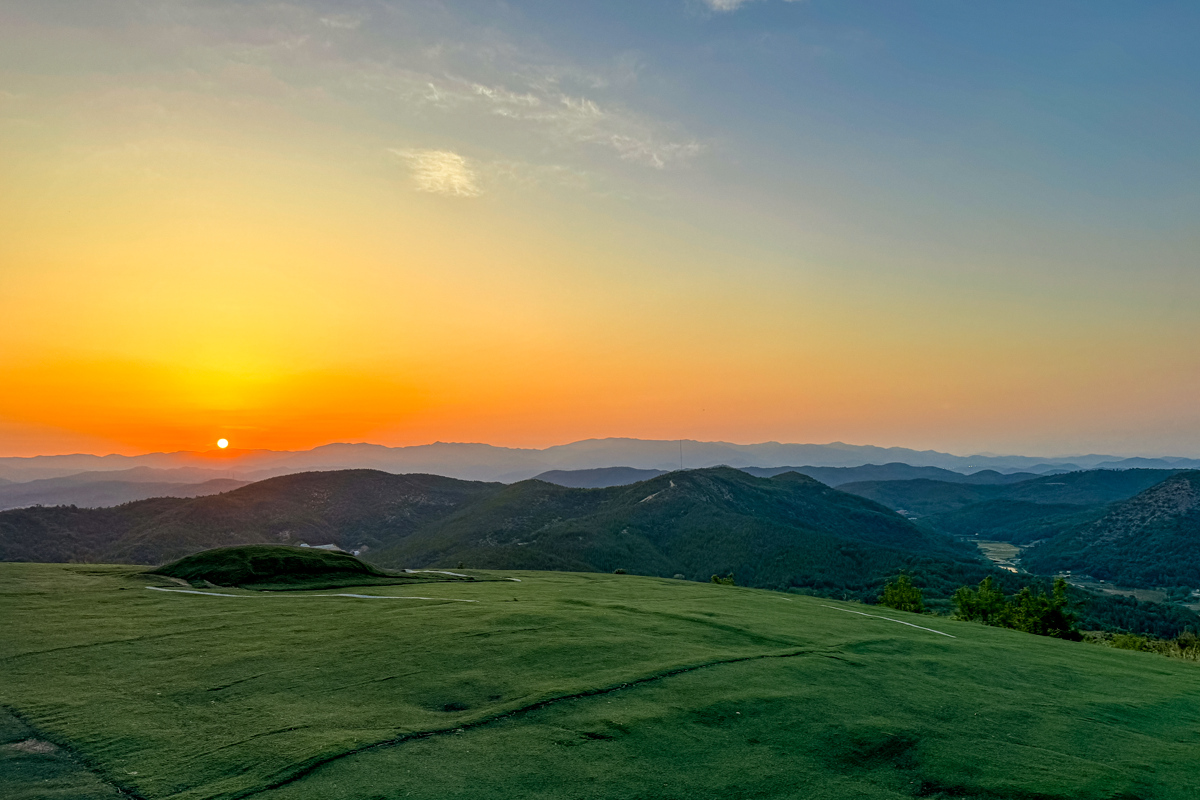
(277, 594)
(889, 619)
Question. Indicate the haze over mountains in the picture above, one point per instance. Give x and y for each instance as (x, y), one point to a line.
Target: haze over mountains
(100, 489)
(488, 462)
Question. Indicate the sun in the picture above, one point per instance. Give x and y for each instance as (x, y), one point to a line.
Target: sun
(222, 443)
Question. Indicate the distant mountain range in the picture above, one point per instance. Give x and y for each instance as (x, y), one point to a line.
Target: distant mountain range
(100, 489)
(487, 462)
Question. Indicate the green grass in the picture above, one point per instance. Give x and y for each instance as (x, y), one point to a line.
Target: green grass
(574, 686)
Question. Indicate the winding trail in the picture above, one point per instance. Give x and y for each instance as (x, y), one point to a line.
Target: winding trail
(306, 768)
(889, 619)
(274, 594)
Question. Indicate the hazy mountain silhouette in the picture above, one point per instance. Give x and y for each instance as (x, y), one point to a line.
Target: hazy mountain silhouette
(487, 462)
(96, 492)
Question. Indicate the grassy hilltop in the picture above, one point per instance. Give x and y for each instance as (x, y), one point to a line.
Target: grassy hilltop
(561, 686)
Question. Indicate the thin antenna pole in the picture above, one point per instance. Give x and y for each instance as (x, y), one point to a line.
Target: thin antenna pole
(681, 454)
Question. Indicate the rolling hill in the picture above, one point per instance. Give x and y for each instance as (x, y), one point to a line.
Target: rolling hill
(103, 493)
(778, 532)
(924, 497)
(789, 532)
(601, 478)
(785, 531)
(895, 471)
(1022, 512)
(1149, 540)
(556, 685)
(355, 509)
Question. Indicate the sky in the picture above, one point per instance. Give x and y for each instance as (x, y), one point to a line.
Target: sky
(969, 227)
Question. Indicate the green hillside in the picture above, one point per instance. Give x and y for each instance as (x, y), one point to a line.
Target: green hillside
(575, 686)
(789, 533)
(353, 509)
(1096, 487)
(894, 471)
(782, 532)
(1016, 521)
(1150, 540)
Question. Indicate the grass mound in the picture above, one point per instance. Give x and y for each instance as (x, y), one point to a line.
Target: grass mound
(279, 567)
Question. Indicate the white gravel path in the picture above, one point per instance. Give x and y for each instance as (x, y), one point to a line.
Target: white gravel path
(889, 619)
(273, 594)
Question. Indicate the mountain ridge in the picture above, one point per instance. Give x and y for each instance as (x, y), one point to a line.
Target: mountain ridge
(479, 461)
(1149, 540)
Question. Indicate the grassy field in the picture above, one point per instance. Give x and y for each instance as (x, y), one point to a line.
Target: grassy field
(564, 686)
(1002, 554)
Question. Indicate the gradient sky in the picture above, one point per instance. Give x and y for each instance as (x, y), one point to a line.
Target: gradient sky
(966, 226)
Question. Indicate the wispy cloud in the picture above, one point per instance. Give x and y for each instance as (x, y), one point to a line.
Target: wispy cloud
(441, 172)
(568, 119)
(734, 5)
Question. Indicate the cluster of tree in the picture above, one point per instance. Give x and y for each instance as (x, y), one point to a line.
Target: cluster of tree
(726, 581)
(1030, 610)
(1186, 646)
(901, 595)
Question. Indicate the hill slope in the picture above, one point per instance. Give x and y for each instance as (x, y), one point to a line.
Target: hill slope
(771, 532)
(354, 509)
(1022, 512)
(784, 531)
(100, 494)
(924, 497)
(597, 478)
(895, 471)
(581, 686)
(1150, 540)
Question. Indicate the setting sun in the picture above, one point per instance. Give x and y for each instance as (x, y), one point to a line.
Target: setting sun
(222, 443)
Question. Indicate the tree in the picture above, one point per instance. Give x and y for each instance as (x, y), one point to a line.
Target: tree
(726, 581)
(1030, 610)
(985, 604)
(903, 596)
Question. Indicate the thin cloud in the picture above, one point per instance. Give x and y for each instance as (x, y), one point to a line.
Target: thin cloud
(569, 119)
(440, 172)
(733, 5)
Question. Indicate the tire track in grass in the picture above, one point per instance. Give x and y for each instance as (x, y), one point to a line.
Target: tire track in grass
(889, 619)
(307, 768)
(73, 756)
(342, 594)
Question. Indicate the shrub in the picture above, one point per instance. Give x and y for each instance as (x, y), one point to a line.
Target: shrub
(901, 595)
(1030, 610)
(726, 581)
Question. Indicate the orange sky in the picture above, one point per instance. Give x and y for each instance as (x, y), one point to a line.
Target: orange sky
(186, 256)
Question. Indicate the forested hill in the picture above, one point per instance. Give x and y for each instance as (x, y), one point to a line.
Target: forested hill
(789, 530)
(778, 532)
(349, 508)
(1152, 539)
(1084, 488)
